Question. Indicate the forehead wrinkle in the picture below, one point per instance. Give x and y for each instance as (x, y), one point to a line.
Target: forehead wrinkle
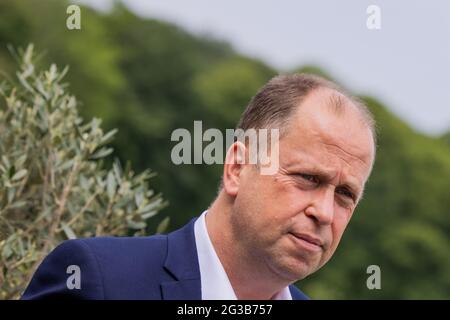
(313, 135)
(345, 152)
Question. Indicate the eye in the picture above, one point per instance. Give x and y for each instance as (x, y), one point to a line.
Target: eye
(346, 193)
(309, 177)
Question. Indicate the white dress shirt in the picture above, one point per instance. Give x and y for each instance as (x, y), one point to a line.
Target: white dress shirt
(215, 284)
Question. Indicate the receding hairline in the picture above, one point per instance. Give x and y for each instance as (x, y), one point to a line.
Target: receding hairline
(277, 102)
(338, 103)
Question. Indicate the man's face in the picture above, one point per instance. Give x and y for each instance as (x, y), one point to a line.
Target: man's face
(292, 221)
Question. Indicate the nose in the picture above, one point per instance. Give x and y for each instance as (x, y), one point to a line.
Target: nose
(321, 208)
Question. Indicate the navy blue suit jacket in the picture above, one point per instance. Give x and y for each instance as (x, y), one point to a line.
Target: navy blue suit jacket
(155, 267)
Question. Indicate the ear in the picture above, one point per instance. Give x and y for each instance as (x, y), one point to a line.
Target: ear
(232, 169)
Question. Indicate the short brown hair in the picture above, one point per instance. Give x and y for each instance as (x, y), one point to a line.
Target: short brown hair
(275, 102)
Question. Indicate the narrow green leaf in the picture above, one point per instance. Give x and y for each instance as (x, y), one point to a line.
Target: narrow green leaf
(163, 225)
(111, 185)
(68, 231)
(101, 153)
(19, 174)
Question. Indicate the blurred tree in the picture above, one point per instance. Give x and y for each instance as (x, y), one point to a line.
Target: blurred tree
(53, 185)
(446, 138)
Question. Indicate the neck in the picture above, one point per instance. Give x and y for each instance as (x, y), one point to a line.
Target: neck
(249, 275)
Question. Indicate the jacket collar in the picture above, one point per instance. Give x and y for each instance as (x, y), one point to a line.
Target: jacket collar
(182, 264)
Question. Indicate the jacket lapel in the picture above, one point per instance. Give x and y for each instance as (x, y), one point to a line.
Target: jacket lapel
(182, 264)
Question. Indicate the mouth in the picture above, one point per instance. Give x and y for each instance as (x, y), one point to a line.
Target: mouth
(307, 241)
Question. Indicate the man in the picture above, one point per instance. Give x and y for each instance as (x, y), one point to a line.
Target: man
(262, 232)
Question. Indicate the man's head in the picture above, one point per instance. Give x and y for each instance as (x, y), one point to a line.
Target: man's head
(292, 221)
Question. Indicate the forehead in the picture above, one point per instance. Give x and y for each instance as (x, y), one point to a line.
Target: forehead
(329, 135)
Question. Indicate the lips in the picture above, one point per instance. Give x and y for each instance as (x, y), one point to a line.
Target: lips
(308, 241)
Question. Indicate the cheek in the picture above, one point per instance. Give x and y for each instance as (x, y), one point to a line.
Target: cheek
(295, 202)
(254, 203)
(288, 205)
(271, 202)
(269, 198)
(286, 192)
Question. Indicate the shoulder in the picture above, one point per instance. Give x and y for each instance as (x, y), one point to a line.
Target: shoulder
(120, 247)
(130, 257)
(111, 252)
(104, 264)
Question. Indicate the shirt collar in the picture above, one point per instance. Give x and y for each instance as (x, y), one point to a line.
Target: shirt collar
(215, 284)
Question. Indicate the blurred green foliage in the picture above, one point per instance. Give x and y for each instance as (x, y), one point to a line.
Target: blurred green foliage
(53, 183)
(148, 77)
